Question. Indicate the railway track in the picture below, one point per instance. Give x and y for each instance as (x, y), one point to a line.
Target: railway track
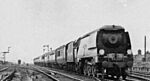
(139, 76)
(17, 73)
(59, 76)
(132, 77)
(3, 69)
(49, 75)
(9, 76)
(6, 74)
(62, 76)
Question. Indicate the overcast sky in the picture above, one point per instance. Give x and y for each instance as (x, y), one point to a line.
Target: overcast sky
(27, 25)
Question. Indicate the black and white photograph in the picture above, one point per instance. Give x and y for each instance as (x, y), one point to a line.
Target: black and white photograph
(74, 40)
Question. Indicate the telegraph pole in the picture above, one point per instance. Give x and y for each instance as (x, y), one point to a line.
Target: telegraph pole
(4, 54)
(145, 48)
(47, 48)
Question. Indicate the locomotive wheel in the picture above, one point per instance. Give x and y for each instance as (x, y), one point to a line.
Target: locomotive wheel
(73, 68)
(76, 68)
(93, 71)
(103, 74)
(89, 69)
(85, 70)
(124, 77)
(124, 74)
(118, 77)
(80, 68)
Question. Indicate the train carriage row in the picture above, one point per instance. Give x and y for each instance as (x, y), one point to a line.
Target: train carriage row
(106, 50)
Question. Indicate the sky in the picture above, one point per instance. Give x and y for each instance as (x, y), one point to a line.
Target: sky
(27, 25)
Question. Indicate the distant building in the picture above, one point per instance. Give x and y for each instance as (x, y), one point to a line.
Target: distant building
(139, 61)
(147, 56)
(138, 57)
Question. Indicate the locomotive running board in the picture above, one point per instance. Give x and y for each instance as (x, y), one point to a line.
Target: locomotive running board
(99, 74)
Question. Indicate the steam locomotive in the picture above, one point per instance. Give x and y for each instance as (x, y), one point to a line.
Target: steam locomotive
(105, 51)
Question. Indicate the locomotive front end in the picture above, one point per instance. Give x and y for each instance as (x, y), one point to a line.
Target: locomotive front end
(114, 50)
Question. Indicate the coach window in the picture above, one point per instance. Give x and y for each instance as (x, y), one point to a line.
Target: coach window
(48, 57)
(43, 57)
(58, 53)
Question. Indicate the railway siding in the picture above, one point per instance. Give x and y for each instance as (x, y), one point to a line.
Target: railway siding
(60, 73)
(16, 73)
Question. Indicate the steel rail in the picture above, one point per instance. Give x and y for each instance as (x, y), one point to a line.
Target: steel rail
(76, 79)
(9, 77)
(68, 76)
(4, 69)
(38, 70)
(50, 76)
(140, 76)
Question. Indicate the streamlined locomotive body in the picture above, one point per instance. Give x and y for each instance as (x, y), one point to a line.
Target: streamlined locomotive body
(105, 51)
